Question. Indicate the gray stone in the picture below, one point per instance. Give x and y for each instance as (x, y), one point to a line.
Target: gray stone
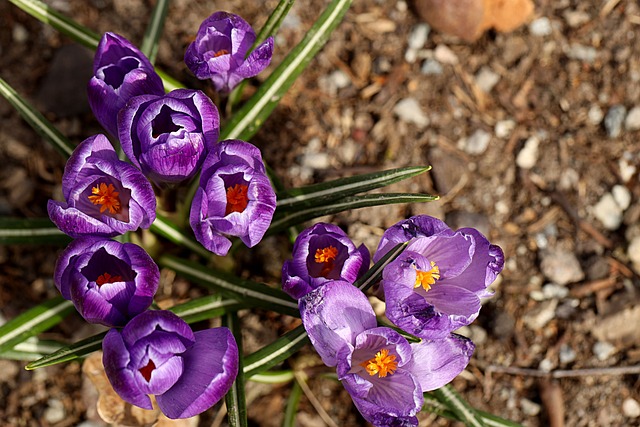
(486, 79)
(603, 350)
(461, 219)
(561, 267)
(477, 143)
(627, 168)
(541, 27)
(632, 121)
(416, 41)
(410, 111)
(566, 354)
(528, 156)
(431, 67)
(552, 290)
(582, 53)
(55, 412)
(608, 212)
(19, 34)
(631, 408)
(542, 314)
(614, 119)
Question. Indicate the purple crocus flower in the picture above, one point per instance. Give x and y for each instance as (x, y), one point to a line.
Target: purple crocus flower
(322, 252)
(158, 354)
(104, 196)
(109, 282)
(168, 136)
(385, 375)
(220, 50)
(235, 197)
(120, 72)
(435, 285)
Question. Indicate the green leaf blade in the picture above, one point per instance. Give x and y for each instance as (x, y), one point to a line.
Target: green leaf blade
(276, 352)
(235, 397)
(34, 231)
(154, 30)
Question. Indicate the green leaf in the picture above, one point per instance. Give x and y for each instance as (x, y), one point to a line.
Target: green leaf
(165, 228)
(31, 349)
(465, 412)
(206, 307)
(246, 122)
(374, 274)
(36, 120)
(38, 231)
(286, 220)
(276, 352)
(319, 194)
(33, 321)
(154, 30)
(235, 399)
(434, 406)
(292, 406)
(273, 377)
(255, 294)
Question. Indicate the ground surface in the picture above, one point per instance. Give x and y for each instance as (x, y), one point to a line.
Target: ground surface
(532, 137)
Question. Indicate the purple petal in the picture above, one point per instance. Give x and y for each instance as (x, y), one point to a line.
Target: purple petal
(147, 322)
(211, 366)
(452, 254)
(436, 363)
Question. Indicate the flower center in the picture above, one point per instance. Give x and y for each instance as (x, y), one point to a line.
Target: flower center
(106, 196)
(107, 278)
(427, 278)
(326, 256)
(146, 370)
(382, 364)
(237, 199)
(220, 53)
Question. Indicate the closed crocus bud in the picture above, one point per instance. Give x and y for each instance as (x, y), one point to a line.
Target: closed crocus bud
(158, 354)
(109, 282)
(322, 252)
(434, 287)
(104, 196)
(168, 136)
(120, 72)
(235, 197)
(220, 50)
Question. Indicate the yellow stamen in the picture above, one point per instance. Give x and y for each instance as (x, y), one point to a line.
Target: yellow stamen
(237, 198)
(106, 197)
(427, 278)
(107, 278)
(382, 364)
(220, 53)
(326, 256)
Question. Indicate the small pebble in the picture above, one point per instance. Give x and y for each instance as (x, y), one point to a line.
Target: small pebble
(416, 41)
(632, 121)
(582, 53)
(552, 290)
(528, 156)
(20, 34)
(614, 119)
(486, 79)
(445, 55)
(631, 408)
(431, 67)
(477, 143)
(633, 251)
(595, 114)
(542, 314)
(541, 27)
(561, 267)
(545, 365)
(55, 411)
(603, 350)
(529, 407)
(410, 111)
(567, 354)
(622, 196)
(608, 212)
(576, 18)
(504, 128)
(627, 170)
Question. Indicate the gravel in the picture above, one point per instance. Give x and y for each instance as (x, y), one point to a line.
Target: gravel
(409, 110)
(528, 156)
(561, 267)
(614, 119)
(632, 121)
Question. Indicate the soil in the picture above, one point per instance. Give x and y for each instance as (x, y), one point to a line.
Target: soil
(513, 127)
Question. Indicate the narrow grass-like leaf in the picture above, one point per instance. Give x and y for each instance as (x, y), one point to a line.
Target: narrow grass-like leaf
(254, 294)
(33, 321)
(348, 203)
(38, 231)
(465, 412)
(434, 406)
(273, 377)
(374, 274)
(235, 399)
(70, 352)
(31, 349)
(246, 122)
(292, 406)
(319, 194)
(154, 30)
(276, 352)
(36, 120)
(165, 228)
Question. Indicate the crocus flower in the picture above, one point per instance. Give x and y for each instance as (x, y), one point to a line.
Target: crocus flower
(109, 282)
(385, 375)
(104, 196)
(120, 72)
(158, 354)
(235, 197)
(435, 285)
(320, 253)
(220, 50)
(168, 136)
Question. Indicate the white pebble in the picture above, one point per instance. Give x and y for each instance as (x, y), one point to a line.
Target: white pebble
(20, 34)
(541, 27)
(633, 251)
(504, 128)
(477, 143)
(603, 350)
(409, 110)
(631, 408)
(595, 115)
(622, 196)
(528, 156)
(418, 36)
(529, 407)
(445, 55)
(632, 121)
(608, 212)
(486, 79)
(431, 67)
(627, 170)
(567, 354)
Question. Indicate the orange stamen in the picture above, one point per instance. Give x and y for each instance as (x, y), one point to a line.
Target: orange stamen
(220, 53)
(382, 364)
(237, 199)
(146, 370)
(427, 278)
(106, 197)
(326, 256)
(107, 278)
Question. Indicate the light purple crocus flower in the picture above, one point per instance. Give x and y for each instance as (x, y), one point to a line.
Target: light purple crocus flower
(168, 136)
(104, 196)
(158, 354)
(109, 282)
(220, 50)
(385, 375)
(120, 72)
(435, 286)
(320, 253)
(235, 197)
